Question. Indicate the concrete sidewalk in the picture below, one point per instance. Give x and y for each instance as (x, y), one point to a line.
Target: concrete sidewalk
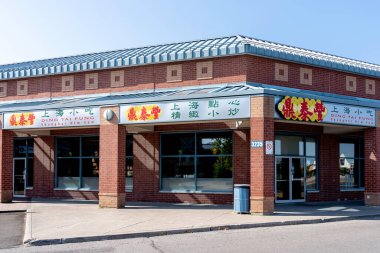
(65, 221)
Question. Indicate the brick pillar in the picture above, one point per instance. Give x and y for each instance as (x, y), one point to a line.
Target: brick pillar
(262, 165)
(112, 161)
(241, 152)
(43, 183)
(6, 163)
(372, 165)
(328, 168)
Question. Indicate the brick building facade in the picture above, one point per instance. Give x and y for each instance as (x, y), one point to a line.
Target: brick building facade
(185, 122)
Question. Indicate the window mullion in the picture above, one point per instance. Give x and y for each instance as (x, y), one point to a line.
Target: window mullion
(80, 163)
(195, 162)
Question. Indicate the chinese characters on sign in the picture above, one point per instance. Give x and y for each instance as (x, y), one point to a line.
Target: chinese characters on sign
(302, 109)
(52, 118)
(305, 109)
(190, 110)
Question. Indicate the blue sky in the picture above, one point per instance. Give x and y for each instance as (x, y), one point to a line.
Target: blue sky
(40, 29)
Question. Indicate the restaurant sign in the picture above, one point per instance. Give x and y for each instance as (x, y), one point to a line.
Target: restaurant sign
(314, 110)
(52, 118)
(189, 110)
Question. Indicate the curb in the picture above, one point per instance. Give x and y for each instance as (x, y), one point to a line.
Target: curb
(14, 211)
(28, 227)
(36, 242)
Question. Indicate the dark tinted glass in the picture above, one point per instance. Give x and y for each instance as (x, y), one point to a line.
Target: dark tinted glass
(129, 145)
(178, 144)
(68, 147)
(214, 143)
(20, 147)
(29, 173)
(68, 167)
(178, 167)
(129, 167)
(90, 167)
(90, 146)
(214, 167)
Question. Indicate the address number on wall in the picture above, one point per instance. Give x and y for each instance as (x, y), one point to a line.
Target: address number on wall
(257, 144)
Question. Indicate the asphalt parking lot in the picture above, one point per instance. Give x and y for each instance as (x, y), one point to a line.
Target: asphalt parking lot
(12, 226)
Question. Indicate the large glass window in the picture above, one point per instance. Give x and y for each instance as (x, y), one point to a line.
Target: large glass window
(78, 163)
(197, 162)
(23, 148)
(300, 146)
(129, 163)
(351, 163)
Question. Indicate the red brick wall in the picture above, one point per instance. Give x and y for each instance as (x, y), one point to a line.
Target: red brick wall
(6, 166)
(261, 70)
(225, 70)
(43, 162)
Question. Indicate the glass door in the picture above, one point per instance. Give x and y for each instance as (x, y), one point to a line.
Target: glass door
(290, 179)
(19, 170)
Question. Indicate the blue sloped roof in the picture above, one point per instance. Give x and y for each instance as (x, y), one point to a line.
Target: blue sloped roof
(199, 49)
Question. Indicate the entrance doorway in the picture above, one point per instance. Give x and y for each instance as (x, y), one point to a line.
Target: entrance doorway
(19, 175)
(290, 179)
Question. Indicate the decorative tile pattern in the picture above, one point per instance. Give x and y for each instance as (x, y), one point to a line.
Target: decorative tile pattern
(117, 78)
(91, 81)
(306, 76)
(3, 89)
(22, 88)
(281, 72)
(351, 83)
(205, 70)
(370, 87)
(67, 83)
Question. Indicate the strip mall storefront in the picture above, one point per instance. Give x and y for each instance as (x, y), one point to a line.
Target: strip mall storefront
(288, 147)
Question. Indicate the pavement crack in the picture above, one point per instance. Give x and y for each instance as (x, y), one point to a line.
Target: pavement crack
(154, 246)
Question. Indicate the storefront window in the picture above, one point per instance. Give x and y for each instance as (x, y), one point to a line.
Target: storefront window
(23, 148)
(196, 162)
(304, 147)
(129, 163)
(351, 163)
(78, 163)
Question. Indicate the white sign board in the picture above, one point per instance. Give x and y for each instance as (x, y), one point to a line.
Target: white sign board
(52, 118)
(269, 147)
(350, 115)
(305, 109)
(188, 110)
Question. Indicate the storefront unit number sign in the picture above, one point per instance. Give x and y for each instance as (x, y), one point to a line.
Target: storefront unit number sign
(189, 110)
(52, 118)
(314, 110)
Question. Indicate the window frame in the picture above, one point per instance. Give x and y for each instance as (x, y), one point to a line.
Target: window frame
(80, 157)
(305, 156)
(27, 158)
(129, 189)
(356, 140)
(195, 156)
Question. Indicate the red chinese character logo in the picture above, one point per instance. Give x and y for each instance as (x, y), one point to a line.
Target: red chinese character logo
(319, 109)
(144, 115)
(13, 120)
(22, 120)
(155, 111)
(288, 109)
(132, 114)
(302, 109)
(305, 114)
(31, 118)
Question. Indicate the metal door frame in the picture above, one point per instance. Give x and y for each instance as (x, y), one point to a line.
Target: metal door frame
(13, 186)
(290, 200)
